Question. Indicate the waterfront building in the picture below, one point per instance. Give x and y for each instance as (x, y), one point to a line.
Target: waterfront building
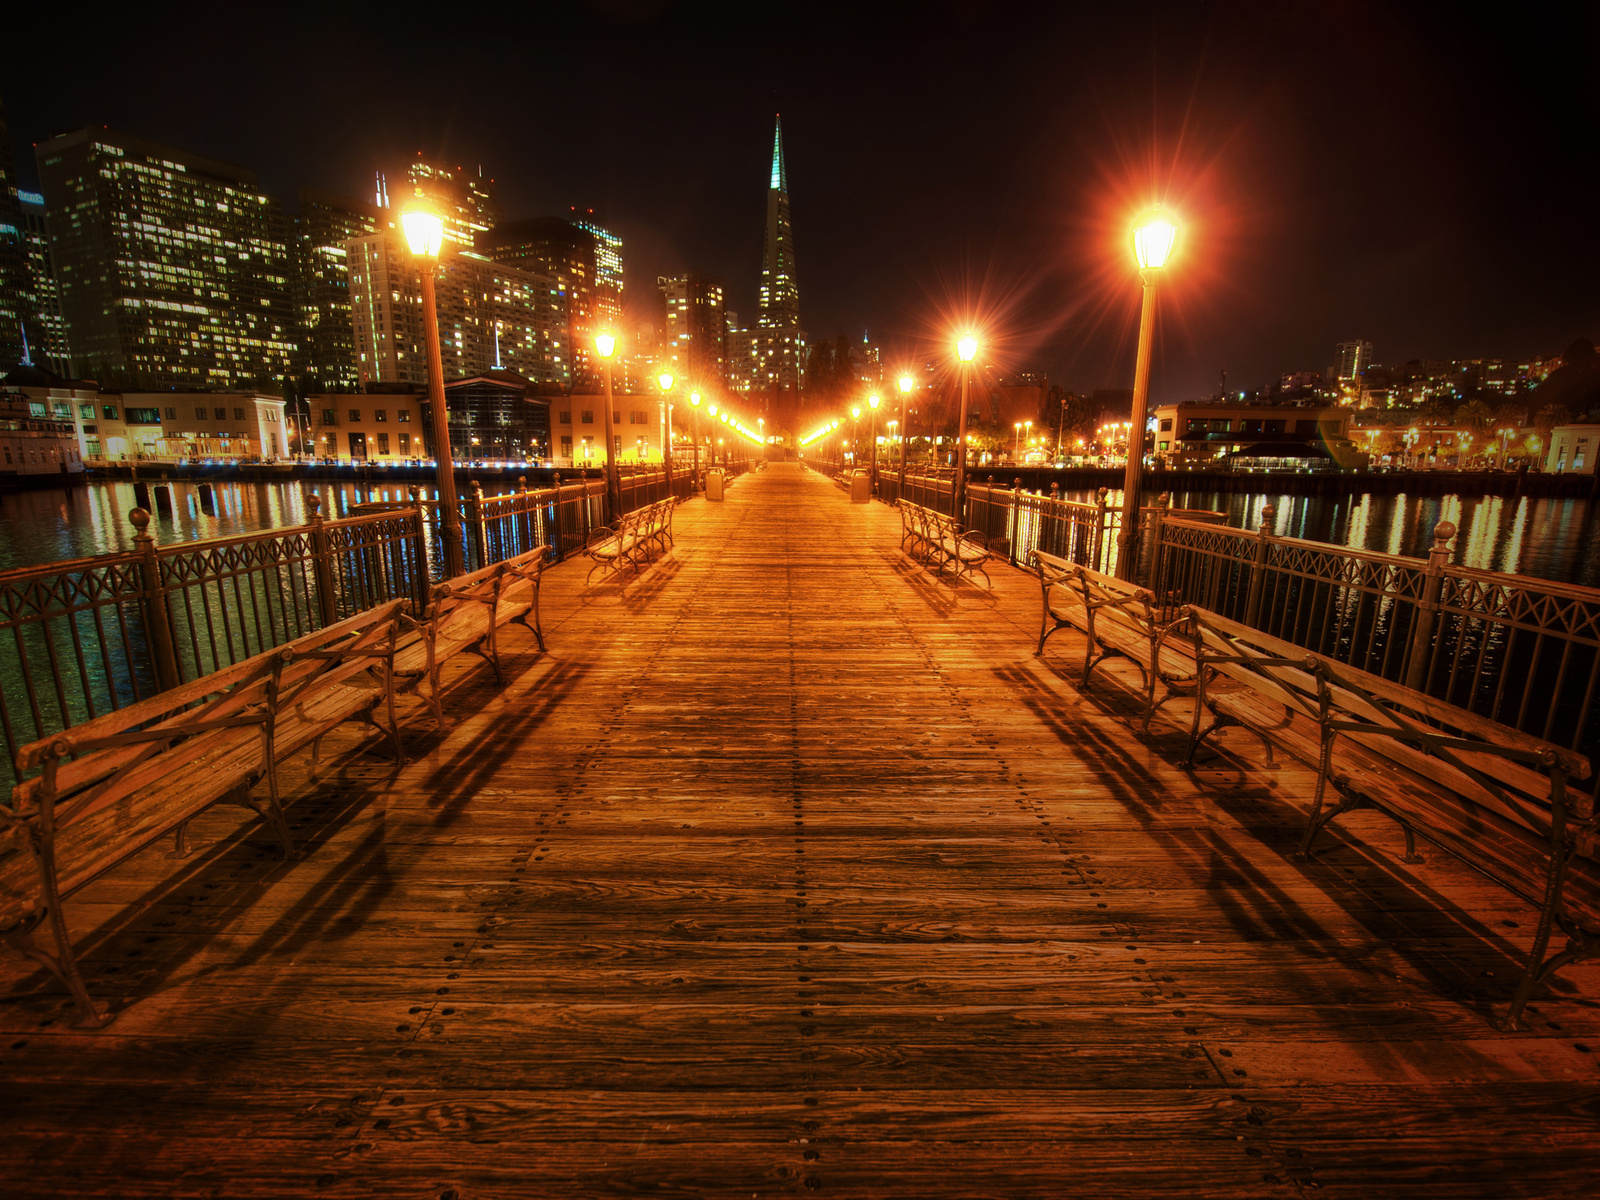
(1223, 433)
(567, 255)
(463, 200)
(1574, 450)
(696, 341)
(777, 343)
(170, 426)
(491, 316)
(637, 420)
(41, 418)
(495, 416)
(386, 424)
(173, 268)
(326, 359)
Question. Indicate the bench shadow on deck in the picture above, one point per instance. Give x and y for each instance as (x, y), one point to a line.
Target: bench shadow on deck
(790, 868)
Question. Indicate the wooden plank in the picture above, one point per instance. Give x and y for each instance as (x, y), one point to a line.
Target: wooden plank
(784, 871)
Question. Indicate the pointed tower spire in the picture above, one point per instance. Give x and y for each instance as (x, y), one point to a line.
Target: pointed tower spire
(780, 175)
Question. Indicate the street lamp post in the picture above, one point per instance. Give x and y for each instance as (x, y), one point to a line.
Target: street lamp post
(855, 436)
(665, 380)
(1016, 441)
(711, 442)
(872, 438)
(967, 349)
(694, 421)
(1027, 429)
(607, 346)
(905, 391)
(1153, 238)
(425, 234)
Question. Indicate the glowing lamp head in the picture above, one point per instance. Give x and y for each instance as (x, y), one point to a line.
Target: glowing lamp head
(905, 383)
(713, 410)
(1153, 238)
(872, 402)
(724, 415)
(424, 232)
(694, 399)
(856, 412)
(967, 347)
(665, 380)
(606, 344)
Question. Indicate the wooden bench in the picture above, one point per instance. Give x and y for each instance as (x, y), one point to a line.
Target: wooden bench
(113, 785)
(1118, 620)
(940, 539)
(466, 613)
(1495, 798)
(638, 538)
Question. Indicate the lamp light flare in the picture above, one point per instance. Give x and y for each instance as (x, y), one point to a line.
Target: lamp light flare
(605, 344)
(906, 383)
(1154, 235)
(694, 399)
(424, 232)
(967, 347)
(665, 380)
(872, 401)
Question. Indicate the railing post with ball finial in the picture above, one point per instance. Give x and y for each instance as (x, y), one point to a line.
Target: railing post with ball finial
(1426, 620)
(157, 620)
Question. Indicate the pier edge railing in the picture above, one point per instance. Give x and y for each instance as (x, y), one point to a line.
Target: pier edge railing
(90, 635)
(1519, 650)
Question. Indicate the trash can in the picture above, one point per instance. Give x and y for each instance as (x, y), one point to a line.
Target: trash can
(713, 485)
(860, 488)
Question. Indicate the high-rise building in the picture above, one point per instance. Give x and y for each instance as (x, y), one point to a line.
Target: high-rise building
(173, 268)
(326, 361)
(607, 270)
(1354, 358)
(777, 343)
(696, 334)
(47, 336)
(465, 201)
(490, 315)
(567, 254)
(13, 256)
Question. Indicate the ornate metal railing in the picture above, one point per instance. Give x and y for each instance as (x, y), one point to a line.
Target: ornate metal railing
(84, 637)
(1518, 650)
(1521, 651)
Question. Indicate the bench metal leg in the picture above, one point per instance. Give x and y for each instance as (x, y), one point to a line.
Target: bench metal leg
(1319, 820)
(61, 964)
(1411, 855)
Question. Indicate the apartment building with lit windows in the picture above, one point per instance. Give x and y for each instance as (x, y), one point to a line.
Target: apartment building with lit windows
(326, 357)
(172, 268)
(491, 316)
(696, 335)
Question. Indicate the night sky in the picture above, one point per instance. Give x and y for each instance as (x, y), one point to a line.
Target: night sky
(1420, 176)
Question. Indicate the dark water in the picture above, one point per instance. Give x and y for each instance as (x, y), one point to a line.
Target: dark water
(1551, 539)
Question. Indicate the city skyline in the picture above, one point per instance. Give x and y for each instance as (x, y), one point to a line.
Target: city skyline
(1363, 208)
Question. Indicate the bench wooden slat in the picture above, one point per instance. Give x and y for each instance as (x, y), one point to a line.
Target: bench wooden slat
(109, 787)
(1494, 798)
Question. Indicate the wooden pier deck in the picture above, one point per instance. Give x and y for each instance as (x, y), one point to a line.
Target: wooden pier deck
(789, 869)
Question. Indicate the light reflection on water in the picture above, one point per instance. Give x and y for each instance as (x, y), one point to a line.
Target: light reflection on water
(50, 526)
(1546, 538)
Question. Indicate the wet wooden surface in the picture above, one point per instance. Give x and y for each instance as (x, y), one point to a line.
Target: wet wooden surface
(790, 869)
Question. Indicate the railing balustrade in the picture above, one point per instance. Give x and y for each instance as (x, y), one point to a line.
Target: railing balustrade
(1519, 650)
(88, 636)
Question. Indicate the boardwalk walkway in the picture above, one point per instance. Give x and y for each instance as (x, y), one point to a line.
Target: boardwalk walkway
(790, 869)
